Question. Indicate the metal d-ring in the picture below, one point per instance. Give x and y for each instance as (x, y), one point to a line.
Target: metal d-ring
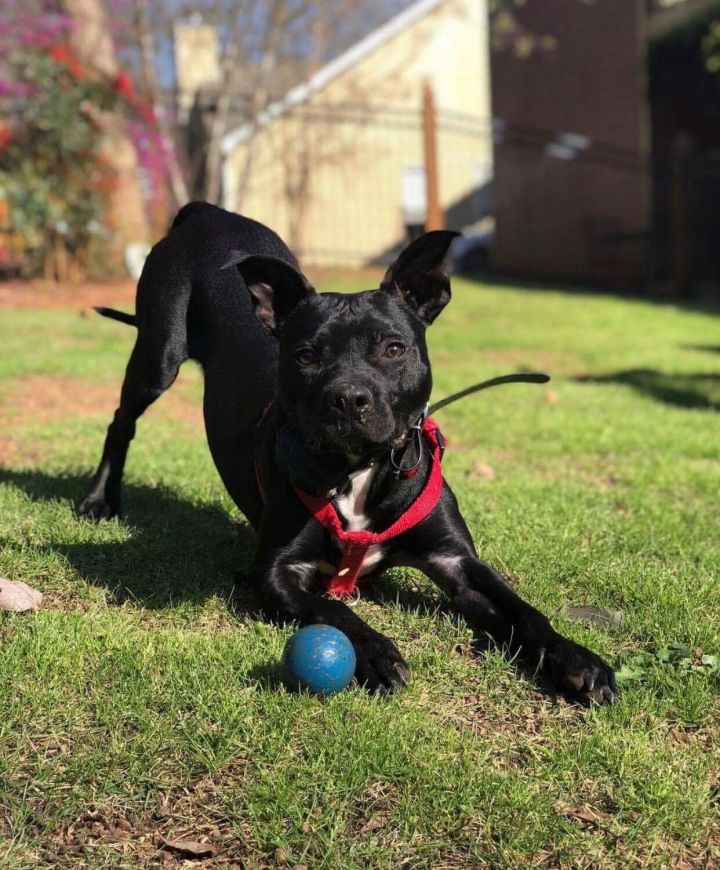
(416, 429)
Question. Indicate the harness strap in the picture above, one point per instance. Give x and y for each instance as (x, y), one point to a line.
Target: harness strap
(356, 544)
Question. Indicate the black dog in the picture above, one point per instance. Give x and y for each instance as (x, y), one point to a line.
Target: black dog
(314, 410)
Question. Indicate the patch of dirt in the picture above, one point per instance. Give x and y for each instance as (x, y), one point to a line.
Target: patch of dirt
(121, 292)
(51, 398)
(16, 451)
(5, 826)
(185, 826)
(152, 840)
(374, 809)
(43, 294)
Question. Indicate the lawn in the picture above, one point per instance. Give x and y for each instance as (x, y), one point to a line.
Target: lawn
(142, 702)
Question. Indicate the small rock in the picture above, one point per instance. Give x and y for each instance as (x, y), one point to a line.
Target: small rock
(17, 597)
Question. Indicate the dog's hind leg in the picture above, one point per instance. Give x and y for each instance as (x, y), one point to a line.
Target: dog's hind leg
(151, 369)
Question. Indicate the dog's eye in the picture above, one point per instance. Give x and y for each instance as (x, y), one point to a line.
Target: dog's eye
(305, 357)
(395, 349)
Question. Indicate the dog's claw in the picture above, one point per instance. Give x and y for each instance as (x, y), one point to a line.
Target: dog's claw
(403, 673)
(380, 667)
(96, 509)
(609, 695)
(580, 672)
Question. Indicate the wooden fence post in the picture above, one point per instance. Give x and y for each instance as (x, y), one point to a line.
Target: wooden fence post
(435, 220)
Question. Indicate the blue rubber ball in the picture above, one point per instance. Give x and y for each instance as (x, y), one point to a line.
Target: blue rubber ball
(319, 658)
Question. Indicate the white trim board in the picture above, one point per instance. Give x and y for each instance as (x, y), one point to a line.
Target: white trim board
(330, 71)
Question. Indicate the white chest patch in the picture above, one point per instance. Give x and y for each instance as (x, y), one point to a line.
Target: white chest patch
(351, 504)
(351, 507)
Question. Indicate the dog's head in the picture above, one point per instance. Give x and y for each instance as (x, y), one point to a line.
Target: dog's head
(354, 372)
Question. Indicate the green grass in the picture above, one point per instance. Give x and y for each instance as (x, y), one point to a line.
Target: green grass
(143, 699)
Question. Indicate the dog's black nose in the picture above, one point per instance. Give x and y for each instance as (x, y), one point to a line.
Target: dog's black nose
(350, 399)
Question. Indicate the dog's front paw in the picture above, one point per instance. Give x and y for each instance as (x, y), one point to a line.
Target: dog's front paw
(380, 667)
(580, 672)
(96, 508)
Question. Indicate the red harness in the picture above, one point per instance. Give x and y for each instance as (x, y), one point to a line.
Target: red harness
(356, 544)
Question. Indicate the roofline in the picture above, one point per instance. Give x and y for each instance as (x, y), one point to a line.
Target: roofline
(345, 61)
(663, 22)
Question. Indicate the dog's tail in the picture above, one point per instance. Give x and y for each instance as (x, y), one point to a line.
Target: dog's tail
(117, 315)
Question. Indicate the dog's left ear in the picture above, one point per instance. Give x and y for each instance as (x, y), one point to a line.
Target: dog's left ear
(419, 278)
(276, 286)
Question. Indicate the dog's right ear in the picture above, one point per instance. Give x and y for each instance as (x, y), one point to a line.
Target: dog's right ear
(418, 278)
(276, 286)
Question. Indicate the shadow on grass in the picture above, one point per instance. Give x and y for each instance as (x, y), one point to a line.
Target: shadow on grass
(385, 590)
(177, 551)
(686, 390)
(181, 551)
(704, 348)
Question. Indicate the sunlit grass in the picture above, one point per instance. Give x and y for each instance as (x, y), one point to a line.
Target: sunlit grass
(143, 700)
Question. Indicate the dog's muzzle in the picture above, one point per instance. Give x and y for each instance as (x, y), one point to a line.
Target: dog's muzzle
(349, 402)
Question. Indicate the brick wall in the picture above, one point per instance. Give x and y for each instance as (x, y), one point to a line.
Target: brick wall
(582, 219)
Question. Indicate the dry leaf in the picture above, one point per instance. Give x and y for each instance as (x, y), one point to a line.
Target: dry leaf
(583, 813)
(551, 397)
(594, 615)
(681, 735)
(374, 823)
(483, 471)
(191, 848)
(16, 596)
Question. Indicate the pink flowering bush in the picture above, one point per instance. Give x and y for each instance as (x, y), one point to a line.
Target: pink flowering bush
(51, 173)
(53, 177)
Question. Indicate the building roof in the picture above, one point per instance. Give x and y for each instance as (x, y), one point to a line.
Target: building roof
(664, 22)
(343, 62)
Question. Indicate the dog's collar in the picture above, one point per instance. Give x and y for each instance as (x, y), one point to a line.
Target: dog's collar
(329, 474)
(415, 436)
(316, 473)
(415, 430)
(331, 471)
